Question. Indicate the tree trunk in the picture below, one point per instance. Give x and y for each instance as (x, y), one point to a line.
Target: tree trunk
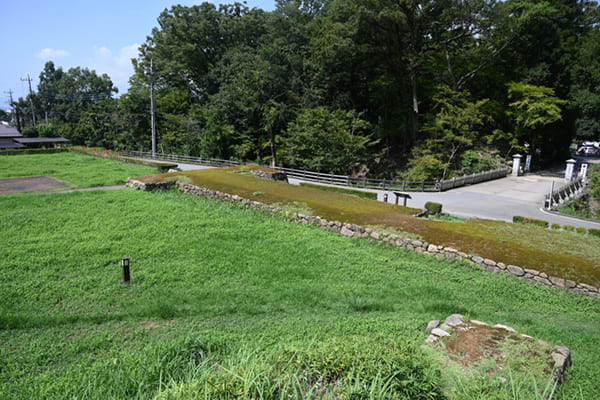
(414, 113)
(450, 71)
(273, 149)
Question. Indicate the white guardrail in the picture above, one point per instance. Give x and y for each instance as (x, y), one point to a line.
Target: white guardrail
(343, 180)
(564, 193)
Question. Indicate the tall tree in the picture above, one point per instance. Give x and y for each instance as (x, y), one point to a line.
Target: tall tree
(532, 108)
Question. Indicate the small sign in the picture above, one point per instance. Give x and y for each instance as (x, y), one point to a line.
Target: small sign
(528, 162)
(583, 171)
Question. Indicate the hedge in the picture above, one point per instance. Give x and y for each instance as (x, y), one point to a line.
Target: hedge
(517, 219)
(15, 152)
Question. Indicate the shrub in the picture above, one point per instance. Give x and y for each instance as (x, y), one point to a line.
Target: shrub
(581, 230)
(569, 228)
(555, 226)
(30, 132)
(425, 168)
(16, 152)
(47, 130)
(594, 232)
(433, 208)
(517, 219)
(539, 222)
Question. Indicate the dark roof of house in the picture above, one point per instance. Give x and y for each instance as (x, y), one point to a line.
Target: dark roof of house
(12, 145)
(41, 140)
(9, 131)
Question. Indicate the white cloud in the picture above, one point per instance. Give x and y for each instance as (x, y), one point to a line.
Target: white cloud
(49, 53)
(118, 66)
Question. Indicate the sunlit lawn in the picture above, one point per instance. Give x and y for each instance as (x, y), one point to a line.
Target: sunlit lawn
(565, 254)
(223, 298)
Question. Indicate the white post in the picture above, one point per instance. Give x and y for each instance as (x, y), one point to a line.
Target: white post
(570, 168)
(516, 164)
(583, 171)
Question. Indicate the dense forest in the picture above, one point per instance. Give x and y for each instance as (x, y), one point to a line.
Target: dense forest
(389, 88)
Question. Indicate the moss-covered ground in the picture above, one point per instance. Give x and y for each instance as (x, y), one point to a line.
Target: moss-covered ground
(562, 254)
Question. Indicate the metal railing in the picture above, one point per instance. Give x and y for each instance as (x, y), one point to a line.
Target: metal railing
(564, 193)
(181, 159)
(342, 180)
(473, 179)
(364, 183)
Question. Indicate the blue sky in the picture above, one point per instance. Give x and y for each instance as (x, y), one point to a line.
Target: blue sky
(100, 35)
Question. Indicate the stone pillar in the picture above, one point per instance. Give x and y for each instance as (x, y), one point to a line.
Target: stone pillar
(570, 168)
(516, 164)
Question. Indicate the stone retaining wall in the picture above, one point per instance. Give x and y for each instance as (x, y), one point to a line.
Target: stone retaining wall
(352, 230)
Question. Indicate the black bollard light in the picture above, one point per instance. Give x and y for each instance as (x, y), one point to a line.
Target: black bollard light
(125, 267)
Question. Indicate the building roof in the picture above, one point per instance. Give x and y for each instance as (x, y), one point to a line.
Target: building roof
(13, 145)
(8, 131)
(41, 140)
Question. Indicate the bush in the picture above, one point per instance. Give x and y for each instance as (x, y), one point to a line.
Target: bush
(30, 132)
(581, 230)
(594, 232)
(425, 168)
(517, 219)
(555, 226)
(539, 222)
(47, 131)
(433, 208)
(569, 228)
(327, 141)
(16, 152)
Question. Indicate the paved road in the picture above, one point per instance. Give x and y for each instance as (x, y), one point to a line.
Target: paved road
(500, 199)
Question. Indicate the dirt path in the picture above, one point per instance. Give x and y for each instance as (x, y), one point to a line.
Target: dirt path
(31, 184)
(43, 183)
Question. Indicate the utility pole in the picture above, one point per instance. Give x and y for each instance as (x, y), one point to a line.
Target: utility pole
(14, 117)
(11, 105)
(30, 97)
(152, 110)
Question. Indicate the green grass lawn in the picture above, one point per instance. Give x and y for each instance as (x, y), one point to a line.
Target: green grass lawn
(231, 303)
(75, 169)
(564, 254)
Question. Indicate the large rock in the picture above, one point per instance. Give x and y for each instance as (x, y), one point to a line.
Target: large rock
(432, 325)
(346, 231)
(513, 269)
(453, 321)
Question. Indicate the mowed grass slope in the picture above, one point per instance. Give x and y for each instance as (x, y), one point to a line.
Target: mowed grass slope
(231, 303)
(75, 169)
(564, 254)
